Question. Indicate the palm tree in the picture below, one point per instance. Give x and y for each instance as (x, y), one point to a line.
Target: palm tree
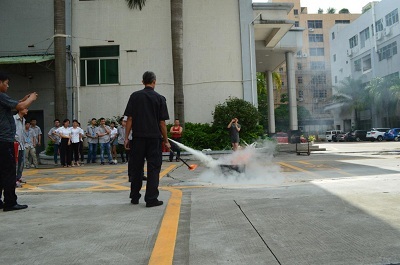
(177, 52)
(351, 96)
(384, 93)
(60, 92)
(331, 10)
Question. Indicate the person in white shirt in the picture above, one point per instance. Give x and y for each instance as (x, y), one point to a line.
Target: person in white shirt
(65, 147)
(104, 141)
(113, 141)
(38, 136)
(121, 140)
(19, 137)
(92, 139)
(76, 136)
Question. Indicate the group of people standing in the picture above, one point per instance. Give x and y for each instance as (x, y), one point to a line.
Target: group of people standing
(68, 142)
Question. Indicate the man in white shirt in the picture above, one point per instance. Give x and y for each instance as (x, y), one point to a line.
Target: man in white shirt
(19, 137)
(55, 138)
(104, 140)
(92, 139)
(38, 138)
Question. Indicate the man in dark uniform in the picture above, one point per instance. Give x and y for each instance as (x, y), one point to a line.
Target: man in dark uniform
(7, 137)
(146, 111)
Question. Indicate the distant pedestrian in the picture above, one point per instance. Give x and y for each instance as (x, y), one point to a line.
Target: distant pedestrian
(19, 137)
(121, 138)
(30, 143)
(92, 139)
(7, 138)
(234, 129)
(104, 141)
(147, 112)
(113, 141)
(176, 135)
(55, 138)
(76, 135)
(65, 147)
(38, 134)
(81, 140)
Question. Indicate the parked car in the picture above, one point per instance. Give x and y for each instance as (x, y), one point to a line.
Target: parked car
(376, 134)
(281, 137)
(341, 137)
(357, 135)
(332, 135)
(392, 134)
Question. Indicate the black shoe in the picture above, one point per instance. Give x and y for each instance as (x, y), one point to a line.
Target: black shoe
(135, 201)
(15, 208)
(102, 163)
(144, 178)
(154, 203)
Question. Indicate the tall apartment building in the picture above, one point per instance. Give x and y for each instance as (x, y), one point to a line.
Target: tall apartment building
(367, 49)
(313, 70)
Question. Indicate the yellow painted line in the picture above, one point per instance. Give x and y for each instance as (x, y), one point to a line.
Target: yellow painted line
(297, 168)
(165, 171)
(163, 251)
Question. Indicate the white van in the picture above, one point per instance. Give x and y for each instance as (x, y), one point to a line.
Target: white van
(331, 135)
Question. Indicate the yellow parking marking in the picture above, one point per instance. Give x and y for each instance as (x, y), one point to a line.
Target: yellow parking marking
(298, 169)
(163, 251)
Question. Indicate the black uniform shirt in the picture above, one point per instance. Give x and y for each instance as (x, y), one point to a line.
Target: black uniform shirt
(147, 108)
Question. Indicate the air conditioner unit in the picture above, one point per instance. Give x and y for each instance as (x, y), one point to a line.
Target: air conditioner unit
(300, 99)
(388, 31)
(379, 35)
(304, 55)
(315, 100)
(349, 53)
(311, 29)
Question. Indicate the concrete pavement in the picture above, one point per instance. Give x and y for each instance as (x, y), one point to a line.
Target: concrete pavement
(325, 209)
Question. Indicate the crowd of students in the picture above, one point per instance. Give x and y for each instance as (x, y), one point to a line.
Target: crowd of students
(68, 142)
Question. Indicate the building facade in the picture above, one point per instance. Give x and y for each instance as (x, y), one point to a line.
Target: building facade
(313, 66)
(367, 49)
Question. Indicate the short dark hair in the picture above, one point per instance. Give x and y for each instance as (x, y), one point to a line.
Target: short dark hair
(4, 76)
(102, 119)
(121, 119)
(94, 119)
(65, 121)
(113, 122)
(75, 121)
(56, 120)
(33, 119)
(148, 77)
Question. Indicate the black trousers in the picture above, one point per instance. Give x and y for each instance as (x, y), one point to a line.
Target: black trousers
(141, 149)
(75, 151)
(8, 173)
(65, 152)
(124, 153)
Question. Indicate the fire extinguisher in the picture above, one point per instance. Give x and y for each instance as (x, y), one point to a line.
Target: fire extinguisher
(16, 149)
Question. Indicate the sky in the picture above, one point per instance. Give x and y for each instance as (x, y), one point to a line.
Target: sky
(354, 6)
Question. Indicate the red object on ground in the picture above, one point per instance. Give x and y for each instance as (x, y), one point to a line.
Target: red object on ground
(16, 149)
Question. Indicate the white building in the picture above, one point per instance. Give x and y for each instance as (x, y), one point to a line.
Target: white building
(366, 48)
(110, 46)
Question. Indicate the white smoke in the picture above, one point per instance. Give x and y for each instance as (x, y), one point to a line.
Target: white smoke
(250, 165)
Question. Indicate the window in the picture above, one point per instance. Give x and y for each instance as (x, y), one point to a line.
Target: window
(318, 80)
(317, 65)
(319, 93)
(333, 35)
(295, 12)
(335, 79)
(314, 24)
(388, 51)
(372, 29)
(342, 21)
(299, 66)
(317, 52)
(334, 57)
(281, 69)
(301, 93)
(316, 38)
(366, 63)
(300, 80)
(392, 18)
(99, 65)
(379, 25)
(353, 41)
(357, 65)
(296, 24)
(364, 35)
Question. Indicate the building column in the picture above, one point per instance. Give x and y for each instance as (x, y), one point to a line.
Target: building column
(271, 104)
(291, 85)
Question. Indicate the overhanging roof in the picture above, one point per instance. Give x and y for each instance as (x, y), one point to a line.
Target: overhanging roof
(26, 59)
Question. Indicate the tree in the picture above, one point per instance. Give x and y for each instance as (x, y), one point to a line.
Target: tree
(344, 11)
(177, 52)
(384, 94)
(60, 90)
(331, 10)
(350, 94)
(320, 11)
